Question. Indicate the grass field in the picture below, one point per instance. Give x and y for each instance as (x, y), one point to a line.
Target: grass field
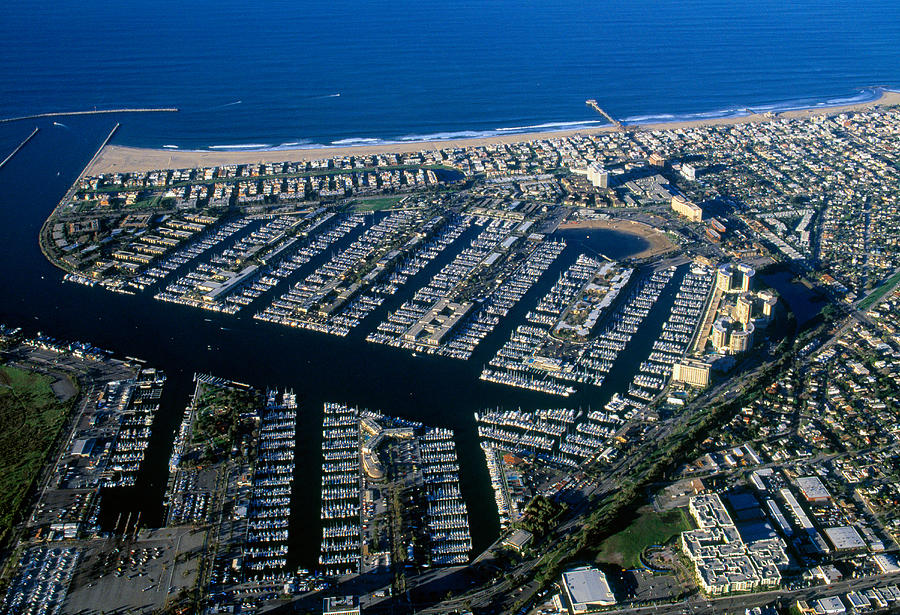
(879, 292)
(377, 204)
(30, 419)
(650, 528)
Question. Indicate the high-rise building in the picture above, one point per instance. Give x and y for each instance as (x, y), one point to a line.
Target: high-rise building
(768, 300)
(746, 280)
(743, 308)
(732, 276)
(741, 340)
(598, 176)
(723, 277)
(731, 337)
(720, 330)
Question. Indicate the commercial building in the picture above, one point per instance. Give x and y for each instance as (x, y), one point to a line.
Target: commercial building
(341, 605)
(586, 589)
(845, 538)
(692, 372)
(434, 326)
(723, 562)
(518, 540)
(684, 207)
(813, 489)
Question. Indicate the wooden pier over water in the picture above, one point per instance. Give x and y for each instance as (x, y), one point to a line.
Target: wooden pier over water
(596, 107)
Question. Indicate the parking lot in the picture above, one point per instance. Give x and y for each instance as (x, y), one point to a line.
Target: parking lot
(135, 576)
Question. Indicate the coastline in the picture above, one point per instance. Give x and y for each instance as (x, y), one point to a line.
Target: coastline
(123, 159)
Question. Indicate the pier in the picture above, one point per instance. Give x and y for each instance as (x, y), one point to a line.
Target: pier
(21, 145)
(596, 107)
(90, 112)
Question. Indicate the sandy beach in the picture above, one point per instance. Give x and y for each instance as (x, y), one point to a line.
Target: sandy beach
(657, 241)
(122, 159)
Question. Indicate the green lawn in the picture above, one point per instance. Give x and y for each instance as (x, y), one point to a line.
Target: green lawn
(650, 528)
(377, 204)
(879, 292)
(30, 419)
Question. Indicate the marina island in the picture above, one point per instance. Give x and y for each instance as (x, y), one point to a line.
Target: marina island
(687, 333)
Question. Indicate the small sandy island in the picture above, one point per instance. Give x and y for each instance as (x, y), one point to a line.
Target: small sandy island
(657, 241)
(123, 159)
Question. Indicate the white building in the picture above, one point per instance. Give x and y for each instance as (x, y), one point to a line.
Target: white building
(586, 589)
(598, 176)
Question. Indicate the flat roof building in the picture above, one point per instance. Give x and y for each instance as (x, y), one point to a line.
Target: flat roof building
(694, 373)
(586, 589)
(519, 539)
(341, 605)
(845, 538)
(813, 489)
(683, 207)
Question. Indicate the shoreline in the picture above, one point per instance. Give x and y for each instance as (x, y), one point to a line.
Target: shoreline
(124, 159)
(657, 242)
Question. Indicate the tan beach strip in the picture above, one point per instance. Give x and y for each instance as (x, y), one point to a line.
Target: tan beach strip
(122, 159)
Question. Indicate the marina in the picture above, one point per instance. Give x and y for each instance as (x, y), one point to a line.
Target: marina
(268, 516)
(557, 349)
(363, 528)
(340, 553)
(452, 313)
(342, 292)
(678, 331)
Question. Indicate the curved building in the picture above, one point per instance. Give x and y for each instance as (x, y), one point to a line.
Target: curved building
(735, 277)
(746, 277)
(720, 330)
(743, 308)
(741, 339)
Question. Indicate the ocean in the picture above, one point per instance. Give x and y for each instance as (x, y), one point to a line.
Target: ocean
(300, 73)
(305, 74)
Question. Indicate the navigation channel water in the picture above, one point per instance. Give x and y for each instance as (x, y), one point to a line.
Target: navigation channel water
(319, 368)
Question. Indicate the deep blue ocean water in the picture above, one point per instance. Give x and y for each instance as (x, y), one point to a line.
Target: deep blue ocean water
(289, 72)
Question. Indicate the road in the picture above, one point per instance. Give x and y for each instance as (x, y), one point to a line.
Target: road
(733, 604)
